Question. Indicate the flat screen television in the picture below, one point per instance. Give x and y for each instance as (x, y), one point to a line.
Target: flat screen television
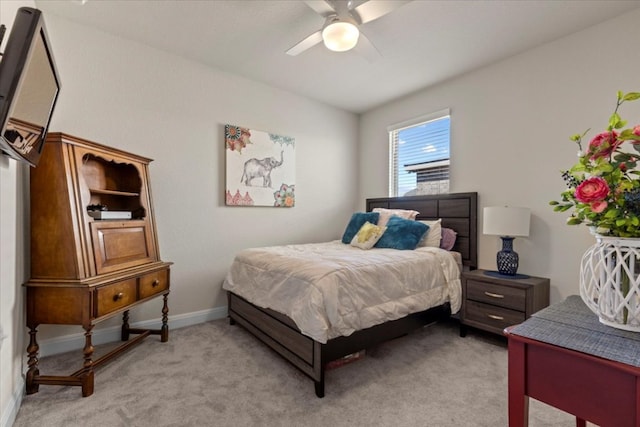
(29, 87)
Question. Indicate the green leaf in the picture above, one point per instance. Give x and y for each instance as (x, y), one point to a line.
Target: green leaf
(625, 133)
(614, 119)
(615, 122)
(604, 167)
(631, 96)
(620, 222)
(573, 221)
(611, 213)
(622, 157)
(553, 203)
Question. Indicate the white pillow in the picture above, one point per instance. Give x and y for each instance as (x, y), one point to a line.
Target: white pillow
(367, 236)
(433, 236)
(385, 214)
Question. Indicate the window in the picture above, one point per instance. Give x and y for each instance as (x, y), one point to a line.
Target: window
(419, 155)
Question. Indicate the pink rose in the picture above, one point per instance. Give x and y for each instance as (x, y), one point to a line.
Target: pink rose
(603, 144)
(598, 207)
(594, 189)
(636, 130)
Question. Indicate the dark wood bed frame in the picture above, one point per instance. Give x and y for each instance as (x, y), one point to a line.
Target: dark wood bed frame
(458, 211)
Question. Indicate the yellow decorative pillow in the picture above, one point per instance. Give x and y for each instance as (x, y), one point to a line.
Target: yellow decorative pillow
(367, 236)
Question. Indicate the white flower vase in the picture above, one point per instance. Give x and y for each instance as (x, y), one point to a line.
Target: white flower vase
(610, 281)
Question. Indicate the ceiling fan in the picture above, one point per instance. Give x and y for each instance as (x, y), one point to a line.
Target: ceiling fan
(343, 18)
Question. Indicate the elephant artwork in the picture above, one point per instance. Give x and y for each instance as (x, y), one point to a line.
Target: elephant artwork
(260, 168)
(251, 157)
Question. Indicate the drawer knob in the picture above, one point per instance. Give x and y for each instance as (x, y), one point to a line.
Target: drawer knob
(492, 295)
(155, 283)
(118, 296)
(494, 317)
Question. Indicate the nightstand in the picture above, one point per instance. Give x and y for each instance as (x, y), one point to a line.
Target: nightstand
(492, 303)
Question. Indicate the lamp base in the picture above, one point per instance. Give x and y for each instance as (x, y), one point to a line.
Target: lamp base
(507, 258)
(506, 276)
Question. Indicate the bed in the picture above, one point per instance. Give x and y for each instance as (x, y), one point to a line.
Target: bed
(308, 343)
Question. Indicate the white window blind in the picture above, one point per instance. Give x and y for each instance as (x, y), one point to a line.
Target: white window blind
(419, 155)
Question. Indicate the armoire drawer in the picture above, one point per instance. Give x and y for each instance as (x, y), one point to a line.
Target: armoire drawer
(154, 283)
(112, 297)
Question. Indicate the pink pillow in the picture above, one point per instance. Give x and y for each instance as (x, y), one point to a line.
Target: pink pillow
(448, 239)
(385, 214)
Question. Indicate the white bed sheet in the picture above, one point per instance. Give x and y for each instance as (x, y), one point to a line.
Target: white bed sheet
(331, 289)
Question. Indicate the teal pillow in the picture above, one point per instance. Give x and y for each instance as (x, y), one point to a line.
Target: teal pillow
(357, 221)
(402, 234)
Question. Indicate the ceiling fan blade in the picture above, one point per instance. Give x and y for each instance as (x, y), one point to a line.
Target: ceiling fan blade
(321, 7)
(355, 3)
(366, 49)
(372, 10)
(305, 44)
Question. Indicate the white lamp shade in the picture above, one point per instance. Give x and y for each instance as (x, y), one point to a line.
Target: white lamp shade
(506, 221)
(340, 36)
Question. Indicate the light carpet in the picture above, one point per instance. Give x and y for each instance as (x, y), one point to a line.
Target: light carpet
(215, 374)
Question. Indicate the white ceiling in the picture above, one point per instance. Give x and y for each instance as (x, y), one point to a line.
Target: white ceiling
(422, 43)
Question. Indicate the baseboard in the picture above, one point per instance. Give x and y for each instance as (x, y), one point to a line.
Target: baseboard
(102, 336)
(10, 412)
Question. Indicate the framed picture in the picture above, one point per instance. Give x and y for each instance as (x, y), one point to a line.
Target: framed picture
(260, 168)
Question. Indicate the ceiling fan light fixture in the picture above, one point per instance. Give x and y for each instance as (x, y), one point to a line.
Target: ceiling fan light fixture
(340, 36)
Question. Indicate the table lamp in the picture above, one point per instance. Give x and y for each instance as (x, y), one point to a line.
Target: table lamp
(506, 222)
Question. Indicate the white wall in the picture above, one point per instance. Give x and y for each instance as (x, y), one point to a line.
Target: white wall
(510, 130)
(148, 102)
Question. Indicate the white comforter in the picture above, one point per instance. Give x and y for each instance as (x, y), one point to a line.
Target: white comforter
(331, 289)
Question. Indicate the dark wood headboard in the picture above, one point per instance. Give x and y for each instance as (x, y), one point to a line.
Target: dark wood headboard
(459, 211)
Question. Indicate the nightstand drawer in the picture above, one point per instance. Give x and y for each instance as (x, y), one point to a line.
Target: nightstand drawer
(504, 296)
(489, 316)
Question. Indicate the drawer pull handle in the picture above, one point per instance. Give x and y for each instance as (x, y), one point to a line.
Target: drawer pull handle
(155, 283)
(118, 296)
(492, 295)
(494, 317)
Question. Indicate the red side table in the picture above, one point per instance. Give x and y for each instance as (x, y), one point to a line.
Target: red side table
(597, 389)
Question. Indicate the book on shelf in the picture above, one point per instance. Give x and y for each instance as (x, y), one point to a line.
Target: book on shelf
(110, 214)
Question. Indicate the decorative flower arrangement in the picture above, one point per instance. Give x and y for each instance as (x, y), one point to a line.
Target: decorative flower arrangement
(603, 187)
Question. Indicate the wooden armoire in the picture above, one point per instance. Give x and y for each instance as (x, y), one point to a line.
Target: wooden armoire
(94, 248)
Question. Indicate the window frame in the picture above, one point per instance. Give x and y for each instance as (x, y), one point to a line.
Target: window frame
(393, 129)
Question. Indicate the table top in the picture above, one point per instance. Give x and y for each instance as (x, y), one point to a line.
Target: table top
(571, 324)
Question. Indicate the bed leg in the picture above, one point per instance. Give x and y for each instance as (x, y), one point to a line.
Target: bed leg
(463, 331)
(229, 305)
(319, 388)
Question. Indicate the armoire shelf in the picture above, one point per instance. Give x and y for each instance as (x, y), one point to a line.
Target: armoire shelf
(114, 192)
